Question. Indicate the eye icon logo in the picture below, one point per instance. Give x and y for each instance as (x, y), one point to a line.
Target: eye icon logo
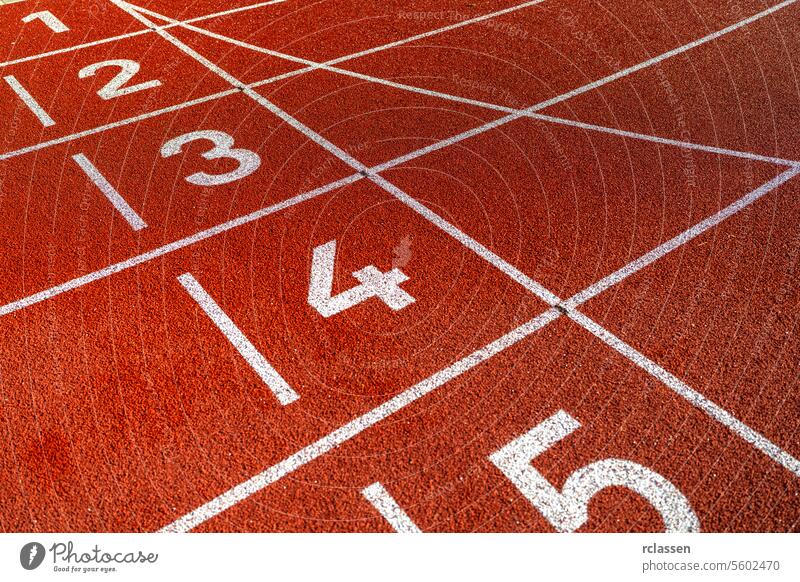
(31, 555)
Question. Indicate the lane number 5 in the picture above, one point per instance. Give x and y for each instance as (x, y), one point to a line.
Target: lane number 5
(567, 509)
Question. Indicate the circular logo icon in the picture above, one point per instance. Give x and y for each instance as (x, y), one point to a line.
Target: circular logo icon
(31, 555)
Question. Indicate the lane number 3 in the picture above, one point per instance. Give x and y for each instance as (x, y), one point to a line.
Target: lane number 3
(249, 161)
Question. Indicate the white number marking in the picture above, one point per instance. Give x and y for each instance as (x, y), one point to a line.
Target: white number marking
(249, 161)
(116, 86)
(29, 101)
(279, 387)
(381, 500)
(567, 510)
(385, 286)
(52, 22)
(110, 192)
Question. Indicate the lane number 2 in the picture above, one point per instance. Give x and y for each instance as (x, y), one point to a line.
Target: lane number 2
(567, 509)
(374, 283)
(116, 87)
(249, 161)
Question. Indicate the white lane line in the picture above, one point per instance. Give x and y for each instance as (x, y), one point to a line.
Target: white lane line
(280, 388)
(467, 241)
(287, 75)
(219, 95)
(133, 34)
(171, 247)
(111, 193)
(679, 240)
(115, 124)
(391, 511)
(29, 101)
(666, 141)
(695, 398)
(492, 106)
(437, 31)
(355, 427)
(662, 57)
(434, 218)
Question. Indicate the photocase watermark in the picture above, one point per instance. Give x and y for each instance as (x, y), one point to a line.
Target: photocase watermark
(64, 557)
(31, 555)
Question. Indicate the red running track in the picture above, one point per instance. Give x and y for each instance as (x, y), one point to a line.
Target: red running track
(611, 272)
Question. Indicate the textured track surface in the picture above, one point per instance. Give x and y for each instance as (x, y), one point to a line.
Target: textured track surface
(304, 248)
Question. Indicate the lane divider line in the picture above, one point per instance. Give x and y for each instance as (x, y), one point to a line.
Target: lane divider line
(498, 262)
(355, 427)
(29, 101)
(529, 112)
(274, 381)
(120, 204)
(679, 240)
(697, 400)
(388, 507)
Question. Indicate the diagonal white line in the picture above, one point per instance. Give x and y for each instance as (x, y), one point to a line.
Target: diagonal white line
(696, 399)
(475, 102)
(679, 240)
(120, 204)
(29, 101)
(135, 33)
(171, 247)
(279, 387)
(355, 427)
(664, 56)
(388, 507)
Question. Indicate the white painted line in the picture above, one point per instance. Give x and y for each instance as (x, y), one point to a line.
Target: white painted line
(287, 75)
(434, 218)
(391, 511)
(467, 101)
(469, 242)
(679, 240)
(666, 141)
(171, 247)
(695, 398)
(280, 388)
(133, 34)
(437, 31)
(355, 427)
(662, 57)
(116, 199)
(29, 101)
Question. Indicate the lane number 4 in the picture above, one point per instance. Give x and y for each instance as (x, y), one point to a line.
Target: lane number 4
(374, 283)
